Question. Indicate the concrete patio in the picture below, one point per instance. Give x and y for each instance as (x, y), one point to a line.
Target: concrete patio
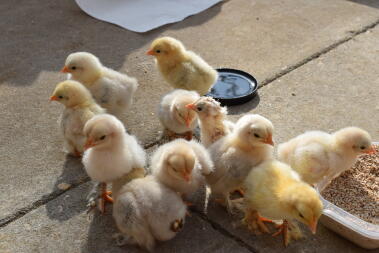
(316, 63)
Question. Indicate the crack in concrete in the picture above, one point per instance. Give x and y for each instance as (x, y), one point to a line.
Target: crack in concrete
(42, 201)
(316, 55)
(223, 231)
(49, 197)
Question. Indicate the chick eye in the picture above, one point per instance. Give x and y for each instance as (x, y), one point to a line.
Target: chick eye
(257, 135)
(73, 68)
(199, 109)
(301, 215)
(158, 51)
(102, 137)
(362, 147)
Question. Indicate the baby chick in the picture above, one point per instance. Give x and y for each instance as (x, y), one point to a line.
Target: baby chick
(236, 154)
(112, 155)
(275, 191)
(147, 210)
(79, 108)
(182, 69)
(181, 165)
(213, 124)
(112, 90)
(315, 155)
(173, 114)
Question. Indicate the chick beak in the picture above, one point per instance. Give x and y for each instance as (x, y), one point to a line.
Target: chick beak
(65, 70)
(53, 98)
(191, 106)
(89, 144)
(187, 176)
(370, 151)
(188, 121)
(150, 52)
(313, 225)
(269, 140)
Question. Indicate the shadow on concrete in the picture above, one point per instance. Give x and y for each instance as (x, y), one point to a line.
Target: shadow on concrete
(41, 40)
(244, 108)
(73, 174)
(371, 3)
(100, 235)
(323, 241)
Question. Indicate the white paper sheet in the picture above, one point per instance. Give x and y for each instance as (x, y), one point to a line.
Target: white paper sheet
(143, 15)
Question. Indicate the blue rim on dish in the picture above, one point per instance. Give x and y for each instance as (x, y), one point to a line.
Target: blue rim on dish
(233, 87)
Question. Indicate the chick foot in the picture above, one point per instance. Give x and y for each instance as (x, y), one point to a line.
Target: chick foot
(255, 222)
(104, 197)
(177, 225)
(122, 239)
(289, 231)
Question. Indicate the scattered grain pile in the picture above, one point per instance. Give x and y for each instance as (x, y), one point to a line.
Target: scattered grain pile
(357, 190)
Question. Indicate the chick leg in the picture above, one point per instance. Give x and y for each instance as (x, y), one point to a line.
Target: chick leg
(255, 223)
(187, 203)
(104, 197)
(77, 153)
(227, 202)
(283, 229)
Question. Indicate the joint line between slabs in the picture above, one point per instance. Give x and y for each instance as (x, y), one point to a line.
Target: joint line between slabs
(223, 231)
(36, 204)
(47, 198)
(318, 54)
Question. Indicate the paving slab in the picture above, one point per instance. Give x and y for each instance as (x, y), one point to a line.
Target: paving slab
(338, 89)
(324, 241)
(63, 226)
(260, 37)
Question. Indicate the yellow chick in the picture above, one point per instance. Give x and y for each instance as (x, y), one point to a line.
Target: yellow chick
(174, 116)
(112, 155)
(148, 211)
(181, 165)
(276, 192)
(316, 155)
(111, 89)
(236, 154)
(182, 69)
(79, 108)
(212, 117)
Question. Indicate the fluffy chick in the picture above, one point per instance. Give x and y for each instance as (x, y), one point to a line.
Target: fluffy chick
(274, 190)
(79, 108)
(173, 114)
(111, 89)
(182, 69)
(147, 210)
(315, 155)
(111, 154)
(181, 165)
(236, 154)
(213, 124)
